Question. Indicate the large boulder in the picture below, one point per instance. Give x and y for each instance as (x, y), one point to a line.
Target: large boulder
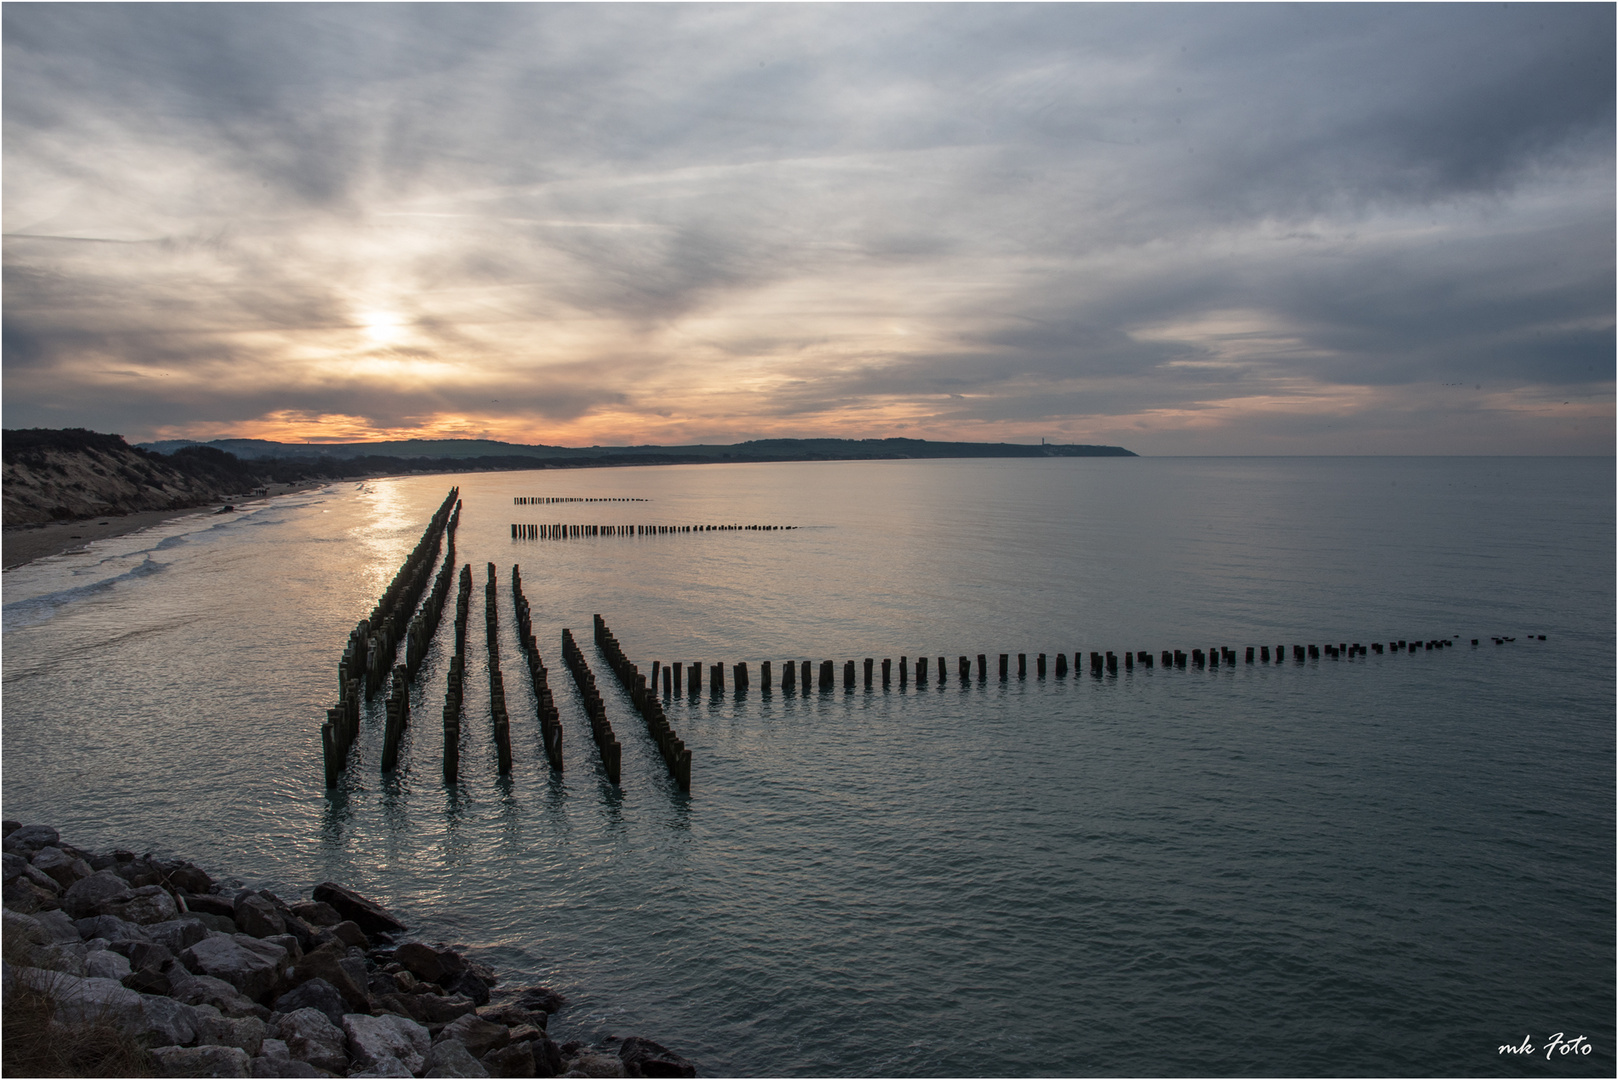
(252, 966)
(61, 867)
(206, 990)
(547, 1057)
(111, 928)
(469, 984)
(316, 913)
(643, 1057)
(19, 931)
(142, 955)
(31, 838)
(61, 929)
(202, 1061)
(246, 1032)
(314, 994)
(105, 964)
(143, 905)
(257, 916)
(449, 1058)
(84, 898)
(517, 1059)
(370, 915)
(25, 896)
(326, 963)
(538, 999)
(428, 964)
(208, 904)
(168, 1022)
(478, 1036)
(186, 876)
(373, 1039)
(83, 1001)
(312, 1038)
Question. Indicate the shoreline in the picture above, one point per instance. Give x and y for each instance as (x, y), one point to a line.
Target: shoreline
(23, 544)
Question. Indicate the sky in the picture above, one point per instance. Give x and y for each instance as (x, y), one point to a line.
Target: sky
(1201, 229)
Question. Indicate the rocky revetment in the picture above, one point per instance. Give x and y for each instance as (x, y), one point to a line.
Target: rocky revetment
(125, 964)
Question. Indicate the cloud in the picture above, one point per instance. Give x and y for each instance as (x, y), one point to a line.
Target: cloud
(635, 222)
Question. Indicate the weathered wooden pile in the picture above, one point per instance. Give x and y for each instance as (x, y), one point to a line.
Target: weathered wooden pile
(211, 980)
(550, 721)
(497, 685)
(559, 531)
(457, 673)
(584, 678)
(369, 655)
(675, 754)
(424, 624)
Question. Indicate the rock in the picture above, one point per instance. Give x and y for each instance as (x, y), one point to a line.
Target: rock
(140, 872)
(32, 837)
(202, 1061)
(144, 905)
(349, 933)
(326, 963)
(449, 1057)
(478, 1036)
(111, 928)
(354, 964)
(11, 865)
(314, 994)
(205, 990)
(246, 1032)
(177, 935)
(19, 931)
(8, 826)
(23, 896)
(469, 985)
(312, 1038)
(441, 1010)
(429, 964)
(275, 1050)
(593, 1062)
(538, 999)
(207, 904)
(373, 1039)
(547, 1057)
(403, 1005)
(187, 876)
(61, 867)
(383, 1067)
(370, 916)
(104, 964)
(58, 926)
(289, 943)
(84, 898)
(219, 924)
(68, 959)
(316, 913)
(257, 916)
(380, 982)
(643, 1057)
(302, 931)
(252, 966)
(84, 1000)
(168, 1022)
(516, 1059)
(143, 955)
(149, 981)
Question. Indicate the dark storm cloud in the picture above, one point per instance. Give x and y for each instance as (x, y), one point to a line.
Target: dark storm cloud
(1064, 211)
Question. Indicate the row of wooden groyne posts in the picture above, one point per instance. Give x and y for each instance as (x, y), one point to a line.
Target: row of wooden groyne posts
(687, 678)
(372, 645)
(561, 531)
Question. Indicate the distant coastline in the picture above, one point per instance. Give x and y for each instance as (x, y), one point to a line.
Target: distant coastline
(64, 488)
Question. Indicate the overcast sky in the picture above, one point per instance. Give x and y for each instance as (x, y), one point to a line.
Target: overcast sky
(1181, 229)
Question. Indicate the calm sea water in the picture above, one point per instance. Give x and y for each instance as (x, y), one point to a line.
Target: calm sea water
(1387, 866)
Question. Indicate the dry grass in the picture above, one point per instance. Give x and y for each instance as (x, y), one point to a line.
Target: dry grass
(33, 1044)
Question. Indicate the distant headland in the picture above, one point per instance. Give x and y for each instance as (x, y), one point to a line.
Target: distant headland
(71, 474)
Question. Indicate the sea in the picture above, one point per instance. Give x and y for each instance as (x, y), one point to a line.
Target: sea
(1396, 863)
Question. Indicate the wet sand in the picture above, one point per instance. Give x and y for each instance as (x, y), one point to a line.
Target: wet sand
(20, 544)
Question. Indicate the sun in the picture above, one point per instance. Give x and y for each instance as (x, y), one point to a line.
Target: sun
(382, 327)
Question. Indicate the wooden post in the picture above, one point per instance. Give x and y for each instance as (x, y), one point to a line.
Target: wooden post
(1112, 664)
(740, 672)
(1039, 666)
(806, 674)
(941, 673)
(1022, 665)
(887, 671)
(716, 680)
(694, 678)
(764, 676)
(789, 676)
(921, 671)
(1129, 661)
(964, 666)
(904, 672)
(827, 679)
(1004, 666)
(1061, 665)
(870, 664)
(848, 675)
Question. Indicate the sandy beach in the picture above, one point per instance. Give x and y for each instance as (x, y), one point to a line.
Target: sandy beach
(24, 543)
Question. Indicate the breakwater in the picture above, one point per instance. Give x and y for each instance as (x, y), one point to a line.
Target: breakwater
(594, 708)
(186, 975)
(560, 531)
(675, 754)
(548, 500)
(550, 720)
